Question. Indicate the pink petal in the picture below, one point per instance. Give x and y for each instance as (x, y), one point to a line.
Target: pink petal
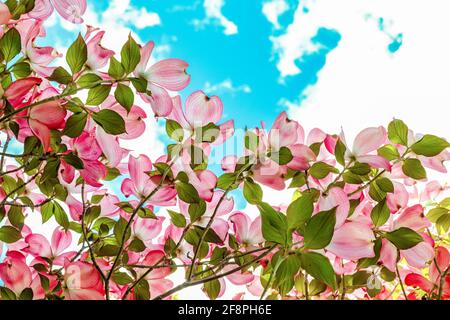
(201, 109)
(159, 100)
(42, 132)
(241, 224)
(147, 229)
(375, 161)
(110, 147)
(284, 132)
(71, 10)
(98, 56)
(87, 147)
(127, 188)
(226, 205)
(416, 280)
(369, 140)
(5, 15)
(412, 218)
(443, 262)
(51, 114)
(352, 241)
(419, 255)
(15, 274)
(21, 87)
(336, 198)
(160, 286)
(42, 10)
(137, 168)
(170, 74)
(269, 174)
(38, 246)
(177, 113)
(93, 171)
(226, 132)
(255, 232)
(228, 163)
(153, 258)
(146, 52)
(302, 156)
(388, 255)
(61, 240)
(238, 278)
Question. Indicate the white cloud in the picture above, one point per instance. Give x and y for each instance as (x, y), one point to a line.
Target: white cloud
(273, 10)
(363, 85)
(226, 86)
(117, 20)
(214, 15)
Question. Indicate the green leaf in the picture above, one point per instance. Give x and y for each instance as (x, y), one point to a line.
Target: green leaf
(385, 185)
(380, 214)
(124, 96)
(119, 230)
(178, 219)
(131, 55)
(121, 278)
(16, 217)
(21, 70)
(74, 161)
(319, 267)
(60, 216)
(274, 224)
(226, 181)
(75, 125)
(10, 44)
(61, 75)
(7, 294)
(174, 130)
(212, 289)
(251, 141)
(413, 168)
(139, 84)
(116, 69)
(209, 133)
(47, 212)
(110, 121)
(389, 152)
(404, 238)
(339, 152)
(319, 229)
(136, 245)
(320, 170)
(285, 273)
(187, 192)
(430, 146)
(252, 192)
(26, 294)
(197, 210)
(9, 234)
(435, 214)
(398, 132)
(89, 80)
(360, 169)
(142, 290)
(77, 55)
(300, 211)
(283, 156)
(97, 95)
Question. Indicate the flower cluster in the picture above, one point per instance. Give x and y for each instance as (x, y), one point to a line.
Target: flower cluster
(366, 221)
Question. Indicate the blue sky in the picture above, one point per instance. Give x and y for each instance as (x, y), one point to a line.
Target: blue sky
(245, 59)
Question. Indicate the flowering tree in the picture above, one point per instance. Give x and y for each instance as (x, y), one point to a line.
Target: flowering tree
(364, 222)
